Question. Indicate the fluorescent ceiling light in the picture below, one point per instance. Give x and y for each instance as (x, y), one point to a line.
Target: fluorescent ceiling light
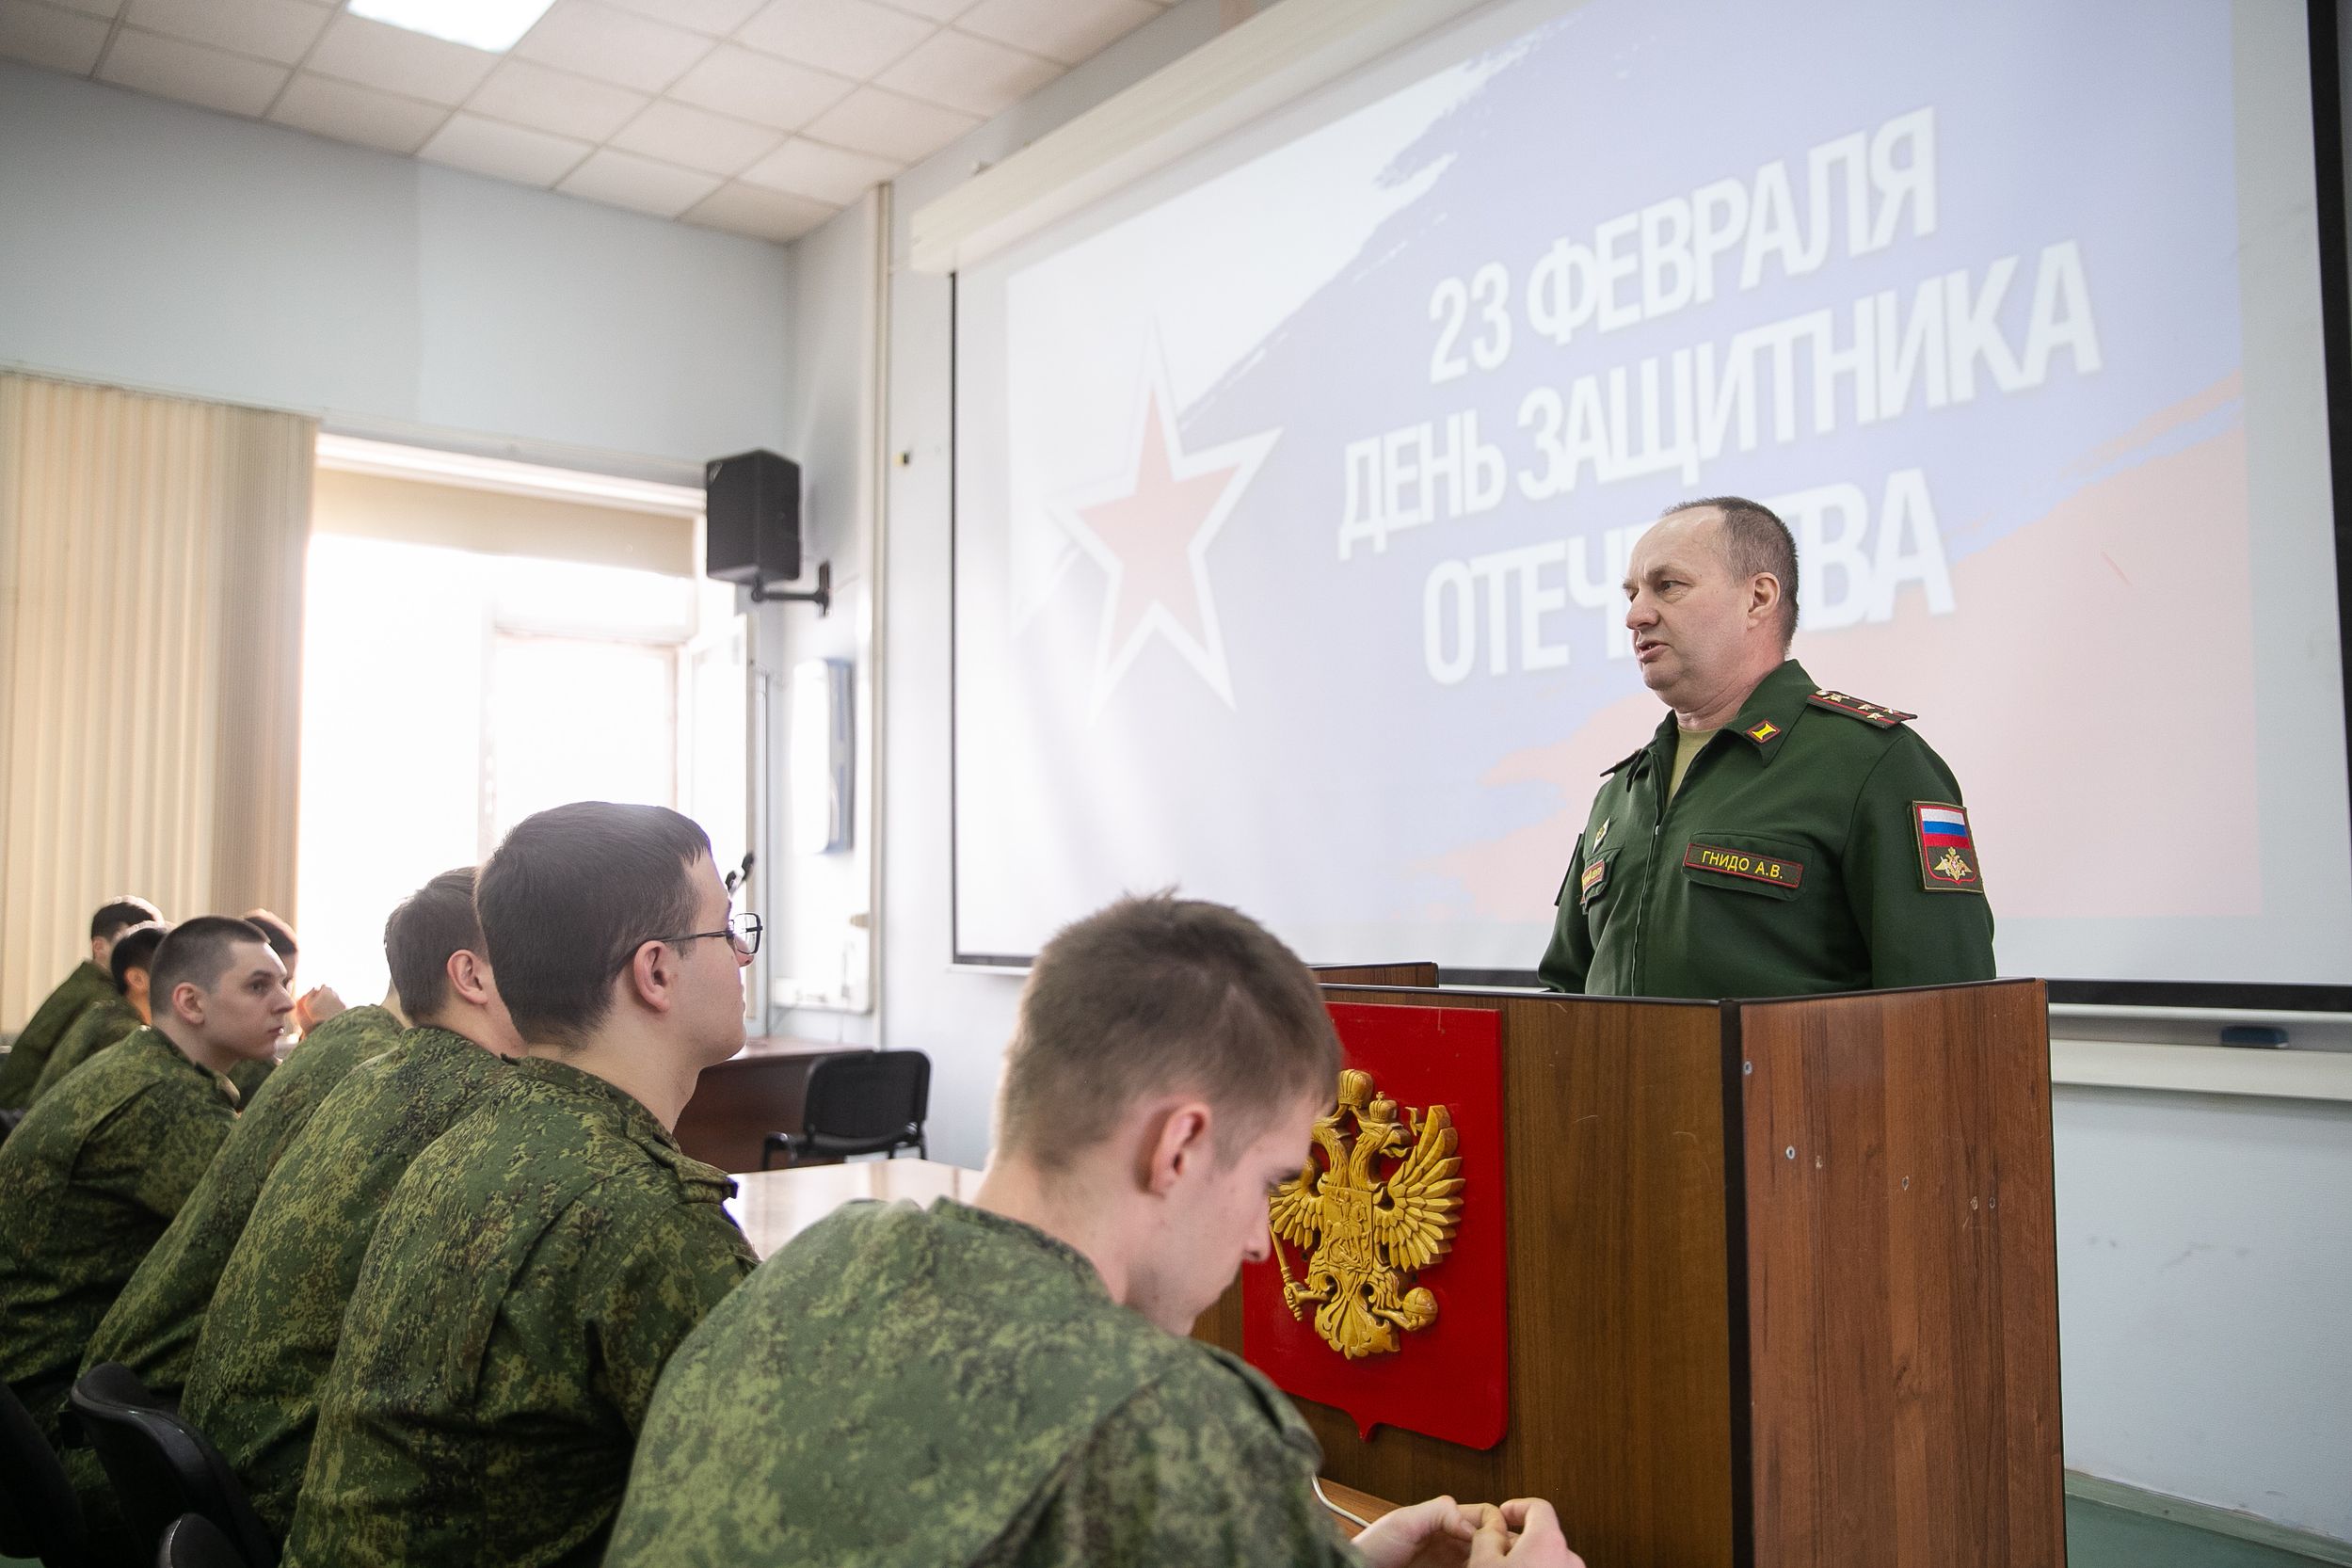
(491, 25)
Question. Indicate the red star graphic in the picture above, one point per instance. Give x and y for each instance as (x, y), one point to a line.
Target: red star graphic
(1150, 533)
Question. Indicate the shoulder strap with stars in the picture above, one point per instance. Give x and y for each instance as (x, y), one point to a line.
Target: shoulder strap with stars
(1855, 708)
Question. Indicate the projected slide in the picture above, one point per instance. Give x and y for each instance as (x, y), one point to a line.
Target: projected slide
(1295, 492)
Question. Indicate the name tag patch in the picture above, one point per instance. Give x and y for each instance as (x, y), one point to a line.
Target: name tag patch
(1744, 862)
(1590, 881)
(1947, 851)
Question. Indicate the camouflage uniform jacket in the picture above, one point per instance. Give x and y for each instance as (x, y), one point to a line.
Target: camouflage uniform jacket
(88, 1183)
(953, 1387)
(254, 1071)
(529, 1279)
(269, 1339)
(21, 1066)
(153, 1325)
(102, 1022)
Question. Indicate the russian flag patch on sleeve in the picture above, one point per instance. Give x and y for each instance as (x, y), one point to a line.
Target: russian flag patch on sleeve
(1947, 851)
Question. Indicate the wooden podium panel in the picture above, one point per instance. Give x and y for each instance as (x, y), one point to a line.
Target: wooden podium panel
(1902, 1280)
(1727, 1355)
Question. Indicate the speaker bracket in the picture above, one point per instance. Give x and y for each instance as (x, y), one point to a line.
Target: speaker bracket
(821, 596)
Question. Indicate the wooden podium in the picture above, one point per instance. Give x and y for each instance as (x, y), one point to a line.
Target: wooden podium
(1783, 1287)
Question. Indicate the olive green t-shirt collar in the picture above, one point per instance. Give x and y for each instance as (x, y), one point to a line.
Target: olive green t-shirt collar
(1019, 1233)
(1763, 719)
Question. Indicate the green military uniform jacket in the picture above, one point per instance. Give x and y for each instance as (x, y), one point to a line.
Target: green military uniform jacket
(527, 1282)
(269, 1339)
(1810, 849)
(21, 1068)
(153, 1326)
(952, 1387)
(254, 1071)
(88, 1183)
(103, 1023)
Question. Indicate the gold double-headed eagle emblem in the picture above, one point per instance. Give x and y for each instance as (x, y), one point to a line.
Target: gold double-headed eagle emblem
(1365, 1228)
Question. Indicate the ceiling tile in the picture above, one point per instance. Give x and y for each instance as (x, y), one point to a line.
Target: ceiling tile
(92, 8)
(937, 11)
(759, 88)
(716, 17)
(346, 112)
(625, 179)
(172, 67)
(555, 100)
(59, 41)
(889, 126)
(506, 152)
(280, 30)
(617, 46)
(1064, 30)
(697, 139)
(854, 37)
(393, 59)
(968, 73)
(826, 173)
(767, 215)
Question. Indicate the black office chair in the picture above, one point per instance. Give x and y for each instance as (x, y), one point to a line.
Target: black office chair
(38, 1514)
(162, 1467)
(192, 1540)
(860, 1102)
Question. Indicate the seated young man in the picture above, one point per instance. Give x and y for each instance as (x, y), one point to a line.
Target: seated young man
(96, 1171)
(89, 983)
(109, 1018)
(1010, 1382)
(153, 1325)
(536, 1267)
(269, 1336)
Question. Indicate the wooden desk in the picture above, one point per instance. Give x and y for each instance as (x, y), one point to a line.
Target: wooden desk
(772, 1207)
(761, 1089)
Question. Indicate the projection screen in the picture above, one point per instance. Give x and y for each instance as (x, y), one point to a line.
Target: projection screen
(1295, 486)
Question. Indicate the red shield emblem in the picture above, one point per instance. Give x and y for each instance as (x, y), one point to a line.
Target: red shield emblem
(1381, 1301)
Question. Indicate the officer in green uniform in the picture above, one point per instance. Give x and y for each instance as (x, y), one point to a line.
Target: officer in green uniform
(97, 1170)
(536, 1267)
(111, 1018)
(1010, 1382)
(1772, 839)
(88, 985)
(269, 1336)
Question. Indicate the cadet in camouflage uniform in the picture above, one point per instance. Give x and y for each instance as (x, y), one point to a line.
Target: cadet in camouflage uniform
(153, 1326)
(1772, 839)
(1010, 1384)
(88, 985)
(96, 1171)
(537, 1266)
(111, 1018)
(269, 1337)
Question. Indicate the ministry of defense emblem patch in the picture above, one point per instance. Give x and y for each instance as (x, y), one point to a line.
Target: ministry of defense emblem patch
(1947, 851)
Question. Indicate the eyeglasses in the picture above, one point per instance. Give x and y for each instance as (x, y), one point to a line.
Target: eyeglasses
(742, 933)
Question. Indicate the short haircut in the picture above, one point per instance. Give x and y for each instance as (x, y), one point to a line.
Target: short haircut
(117, 915)
(1155, 995)
(569, 897)
(197, 952)
(431, 923)
(136, 950)
(278, 934)
(1755, 540)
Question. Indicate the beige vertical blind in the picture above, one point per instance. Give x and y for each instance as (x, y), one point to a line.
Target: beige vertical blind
(151, 639)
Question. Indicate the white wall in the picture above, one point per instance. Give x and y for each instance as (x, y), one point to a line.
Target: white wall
(2205, 1243)
(2205, 1276)
(156, 246)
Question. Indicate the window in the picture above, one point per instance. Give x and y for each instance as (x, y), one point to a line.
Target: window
(448, 695)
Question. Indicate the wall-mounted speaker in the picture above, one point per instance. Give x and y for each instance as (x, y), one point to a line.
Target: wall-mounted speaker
(751, 519)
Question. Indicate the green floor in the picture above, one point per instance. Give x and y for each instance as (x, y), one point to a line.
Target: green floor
(2098, 1536)
(2102, 1537)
